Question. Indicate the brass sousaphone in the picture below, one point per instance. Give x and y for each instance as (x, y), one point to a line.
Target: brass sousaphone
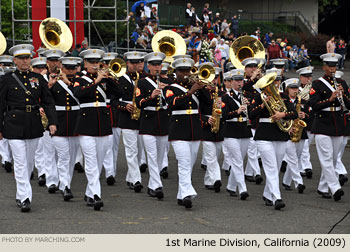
(55, 34)
(2, 43)
(170, 43)
(245, 47)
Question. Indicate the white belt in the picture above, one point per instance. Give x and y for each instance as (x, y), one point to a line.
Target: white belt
(239, 119)
(67, 108)
(332, 109)
(93, 104)
(129, 102)
(266, 120)
(155, 108)
(185, 112)
(211, 116)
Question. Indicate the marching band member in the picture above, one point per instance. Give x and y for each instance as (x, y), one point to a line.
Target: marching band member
(340, 169)
(65, 142)
(110, 162)
(129, 126)
(39, 66)
(212, 141)
(93, 122)
(252, 75)
(5, 151)
(280, 64)
(154, 121)
(54, 66)
(271, 142)
(325, 99)
(237, 134)
(21, 92)
(294, 149)
(305, 166)
(185, 127)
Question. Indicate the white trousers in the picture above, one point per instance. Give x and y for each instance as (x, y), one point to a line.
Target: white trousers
(211, 152)
(304, 159)
(340, 168)
(141, 155)
(237, 149)
(225, 164)
(165, 159)
(39, 156)
(50, 160)
(94, 150)
(204, 158)
(271, 153)
(155, 149)
(130, 140)
(66, 148)
(5, 151)
(328, 148)
(292, 157)
(252, 168)
(110, 162)
(23, 157)
(186, 155)
(79, 157)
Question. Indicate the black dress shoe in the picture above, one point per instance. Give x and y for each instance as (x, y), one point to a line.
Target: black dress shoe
(67, 194)
(303, 174)
(52, 188)
(89, 201)
(217, 186)
(143, 168)
(25, 206)
(324, 195)
(287, 187)
(243, 195)
(203, 166)
(138, 187)
(187, 202)
(337, 195)
(209, 187)
(18, 203)
(8, 167)
(110, 180)
(159, 193)
(78, 167)
(151, 192)
(308, 173)
(301, 188)
(343, 179)
(231, 193)
(98, 203)
(42, 180)
(180, 202)
(279, 204)
(31, 175)
(258, 179)
(250, 178)
(164, 173)
(283, 166)
(128, 184)
(267, 202)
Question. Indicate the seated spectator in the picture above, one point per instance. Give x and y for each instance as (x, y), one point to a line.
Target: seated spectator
(225, 27)
(141, 23)
(303, 57)
(195, 43)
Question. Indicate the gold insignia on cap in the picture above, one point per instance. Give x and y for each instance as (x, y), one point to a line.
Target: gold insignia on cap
(108, 54)
(94, 51)
(333, 54)
(54, 51)
(155, 54)
(7, 57)
(295, 81)
(238, 72)
(23, 46)
(135, 53)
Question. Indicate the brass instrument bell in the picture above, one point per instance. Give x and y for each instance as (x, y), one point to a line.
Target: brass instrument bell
(117, 67)
(3, 43)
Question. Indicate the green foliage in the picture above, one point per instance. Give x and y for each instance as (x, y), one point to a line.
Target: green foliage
(20, 11)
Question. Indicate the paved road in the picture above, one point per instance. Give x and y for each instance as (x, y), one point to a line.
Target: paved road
(128, 212)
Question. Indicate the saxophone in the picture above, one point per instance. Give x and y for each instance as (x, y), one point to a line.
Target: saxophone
(299, 124)
(135, 114)
(44, 121)
(216, 112)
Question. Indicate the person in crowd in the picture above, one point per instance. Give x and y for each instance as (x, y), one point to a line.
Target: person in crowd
(341, 49)
(273, 51)
(234, 25)
(331, 45)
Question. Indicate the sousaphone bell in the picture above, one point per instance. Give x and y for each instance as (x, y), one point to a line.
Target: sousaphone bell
(3, 43)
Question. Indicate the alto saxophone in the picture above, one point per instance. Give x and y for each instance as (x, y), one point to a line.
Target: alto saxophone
(216, 112)
(44, 121)
(135, 114)
(340, 97)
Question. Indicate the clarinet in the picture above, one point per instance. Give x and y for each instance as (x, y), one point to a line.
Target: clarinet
(160, 95)
(340, 97)
(246, 106)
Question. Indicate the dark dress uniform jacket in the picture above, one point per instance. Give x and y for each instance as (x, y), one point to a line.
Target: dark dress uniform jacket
(154, 120)
(93, 121)
(19, 112)
(230, 111)
(250, 92)
(330, 123)
(270, 131)
(126, 83)
(183, 127)
(206, 109)
(66, 119)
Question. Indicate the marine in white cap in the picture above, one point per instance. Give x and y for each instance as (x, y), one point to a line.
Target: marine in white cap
(6, 60)
(236, 134)
(24, 92)
(93, 122)
(39, 65)
(183, 97)
(328, 124)
(53, 65)
(294, 149)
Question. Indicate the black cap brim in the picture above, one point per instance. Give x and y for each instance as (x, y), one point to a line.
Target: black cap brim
(39, 66)
(135, 61)
(252, 65)
(155, 62)
(331, 63)
(307, 75)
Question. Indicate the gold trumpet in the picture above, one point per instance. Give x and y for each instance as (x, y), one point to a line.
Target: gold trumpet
(55, 34)
(205, 75)
(117, 68)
